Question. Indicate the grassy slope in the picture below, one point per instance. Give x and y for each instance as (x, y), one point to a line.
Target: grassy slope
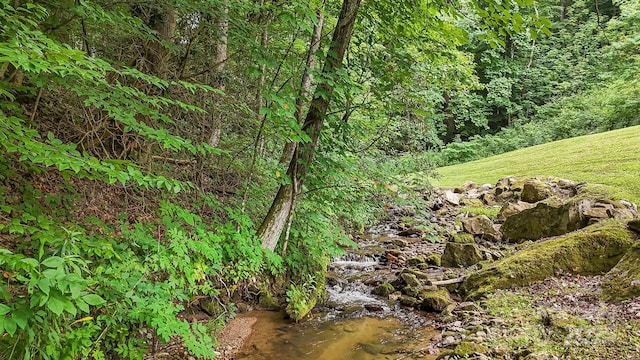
(611, 159)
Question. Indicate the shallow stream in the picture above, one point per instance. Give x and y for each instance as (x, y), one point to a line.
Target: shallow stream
(353, 324)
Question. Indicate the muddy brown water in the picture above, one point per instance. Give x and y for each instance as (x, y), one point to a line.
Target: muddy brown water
(365, 338)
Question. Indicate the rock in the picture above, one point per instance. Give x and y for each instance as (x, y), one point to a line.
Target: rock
(625, 214)
(434, 259)
(409, 301)
(452, 197)
(481, 225)
(593, 250)
(535, 190)
(383, 290)
(399, 243)
(467, 306)
(467, 186)
(449, 340)
(488, 199)
(461, 255)
(412, 231)
(416, 261)
(462, 238)
(467, 348)
(634, 225)
(629, 205)
(623, 281)
(510, 209)
(435, 300)
(410, 279)
(548, 218)
(267, 301)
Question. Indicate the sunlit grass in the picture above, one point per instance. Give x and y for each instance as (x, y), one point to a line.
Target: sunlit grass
(611, 159)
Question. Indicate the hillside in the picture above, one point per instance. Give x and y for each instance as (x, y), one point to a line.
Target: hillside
(611, 159)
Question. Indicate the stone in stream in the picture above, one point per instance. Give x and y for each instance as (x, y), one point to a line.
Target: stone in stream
(461, 255)
(383, 290)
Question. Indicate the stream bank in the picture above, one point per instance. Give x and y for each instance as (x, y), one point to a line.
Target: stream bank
(560, 316)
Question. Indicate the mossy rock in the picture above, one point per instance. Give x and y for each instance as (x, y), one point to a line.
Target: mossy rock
(534, 190)
(435, 300)
(267, 301)
(623, 281)
(462, 238)
(383, 290)
(593, 250)
(467, 348)
(463, 255)
(434, 259)
(410, 279)
(548, 218)
(417, 261)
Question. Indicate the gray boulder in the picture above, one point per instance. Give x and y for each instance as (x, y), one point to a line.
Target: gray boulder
(547, 218)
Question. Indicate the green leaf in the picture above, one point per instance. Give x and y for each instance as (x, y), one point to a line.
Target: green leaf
(10, 326)
(4, 309)
(53, 262)
(56, 305)
(93, 299)
(82, 305)
(45, 285)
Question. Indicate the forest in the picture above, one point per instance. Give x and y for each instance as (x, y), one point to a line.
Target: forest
(165, 156)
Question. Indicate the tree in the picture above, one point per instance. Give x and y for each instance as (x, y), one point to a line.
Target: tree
(284, 202)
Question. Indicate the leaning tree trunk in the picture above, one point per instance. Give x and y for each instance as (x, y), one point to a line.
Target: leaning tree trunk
(307, 79)
(276, 220)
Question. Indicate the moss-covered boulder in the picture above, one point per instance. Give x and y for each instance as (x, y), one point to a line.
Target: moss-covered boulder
(383, 290)
(623, 281)
(434, 259)
(461, 255)
(535, 190)
(548, 218)
(592, 250)
(435, 300)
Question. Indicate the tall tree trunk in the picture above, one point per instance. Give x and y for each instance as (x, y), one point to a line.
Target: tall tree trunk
(276, 220)
(219, 61)
(307, 79)
(449, 120)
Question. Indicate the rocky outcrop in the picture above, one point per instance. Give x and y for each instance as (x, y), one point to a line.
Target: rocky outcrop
(547, 218)
(593, 250)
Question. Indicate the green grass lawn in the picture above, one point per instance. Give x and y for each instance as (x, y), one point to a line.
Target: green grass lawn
(611, 159)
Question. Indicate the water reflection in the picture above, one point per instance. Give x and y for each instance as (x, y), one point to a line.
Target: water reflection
(364, 338)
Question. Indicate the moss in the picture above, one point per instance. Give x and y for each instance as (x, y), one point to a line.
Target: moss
(267, 301)
(593, 250)
(623, 281)
(467, 348)
(490, 212)
(434, 259)
(383, 290)
(462, 238)
(435, 300)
